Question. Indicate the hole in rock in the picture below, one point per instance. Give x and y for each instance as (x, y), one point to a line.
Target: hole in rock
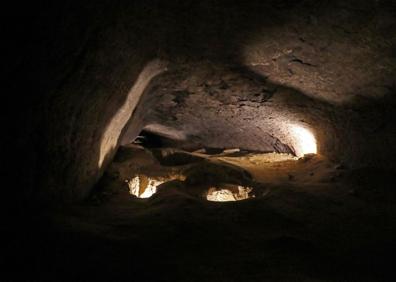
(217, 175)
(149, 140)
(142, 186)
(229, 193)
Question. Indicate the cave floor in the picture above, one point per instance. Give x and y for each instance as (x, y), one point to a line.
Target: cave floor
(311, 220)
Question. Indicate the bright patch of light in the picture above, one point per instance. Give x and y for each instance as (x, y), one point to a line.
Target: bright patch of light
(226, 195)
(143, 189)
(305, 141)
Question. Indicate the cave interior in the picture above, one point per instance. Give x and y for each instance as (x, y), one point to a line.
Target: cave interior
(201, 141)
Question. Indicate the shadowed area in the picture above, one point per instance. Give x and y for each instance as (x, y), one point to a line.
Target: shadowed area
(307, 219)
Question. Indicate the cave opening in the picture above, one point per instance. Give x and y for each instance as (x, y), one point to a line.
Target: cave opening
(149, 140)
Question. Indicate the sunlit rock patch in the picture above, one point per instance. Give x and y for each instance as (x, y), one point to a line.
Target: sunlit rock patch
(142, 186)
(305, 142)
(225, 176)
(229, 193)
(252, 159)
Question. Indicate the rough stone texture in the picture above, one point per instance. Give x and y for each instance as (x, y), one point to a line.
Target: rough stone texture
(221, 107)
(84, 66)
(327, 67)
(333, 53)
(306, 223)
(332, 64)
(226, 106)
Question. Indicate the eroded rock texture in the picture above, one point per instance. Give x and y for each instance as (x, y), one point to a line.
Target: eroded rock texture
(239, 73)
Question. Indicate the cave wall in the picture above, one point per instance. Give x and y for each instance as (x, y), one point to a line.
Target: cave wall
(86, 73)
(333, 64)
(327, 66)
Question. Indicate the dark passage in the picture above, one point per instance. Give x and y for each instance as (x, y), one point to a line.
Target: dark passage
(149, 140)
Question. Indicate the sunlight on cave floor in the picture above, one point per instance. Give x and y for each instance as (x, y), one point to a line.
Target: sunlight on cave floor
(142, 186)
(144, 174)
(229, 194)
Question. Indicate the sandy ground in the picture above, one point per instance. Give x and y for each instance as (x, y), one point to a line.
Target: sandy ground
(311, 220)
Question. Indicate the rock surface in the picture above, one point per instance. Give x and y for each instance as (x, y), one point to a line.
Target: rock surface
(238, 74)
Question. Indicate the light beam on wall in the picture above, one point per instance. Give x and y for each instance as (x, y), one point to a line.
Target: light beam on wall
(111, 135)
(305, 140)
